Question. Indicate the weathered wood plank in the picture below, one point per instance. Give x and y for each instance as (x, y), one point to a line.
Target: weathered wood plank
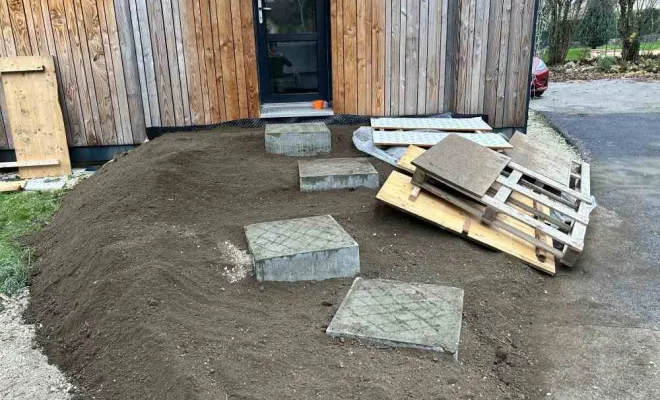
(395, 49)
(485, 24)
(525, 60)
(76, 131)
(514, 71)
(378, 57)
(128, 57)
(214, 60)
(228, 73)
(110, 71)
(503, 63)
(172, 62)
(492, 59)
(7, 33)
(83, 76)
(250, 59)
(32, 25)
(424, 44)
(161, 64)
(181, 59)
(90, 21)
(241, 84)
(445, 68)
(433, 57)
(363, 55)
(403, 31)
(193, 72)
(350, 57)
(125, 75)
(19, 28)
(139, 59)
(388, 58)
(148, 59)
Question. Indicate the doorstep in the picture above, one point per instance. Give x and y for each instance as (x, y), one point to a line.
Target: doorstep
(292, 110)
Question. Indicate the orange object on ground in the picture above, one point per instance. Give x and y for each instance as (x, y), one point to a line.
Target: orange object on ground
(318, 104)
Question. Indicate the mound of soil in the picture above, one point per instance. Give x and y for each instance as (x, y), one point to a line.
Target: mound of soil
(139, 291)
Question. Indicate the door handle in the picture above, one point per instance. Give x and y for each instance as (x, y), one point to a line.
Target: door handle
(261, 11)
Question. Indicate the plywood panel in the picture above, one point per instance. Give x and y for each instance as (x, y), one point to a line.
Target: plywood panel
(37, 127)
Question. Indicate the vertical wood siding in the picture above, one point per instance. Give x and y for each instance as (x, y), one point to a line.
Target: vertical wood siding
(124, 65)
(492, 68)
(388, 56)
(87, 38)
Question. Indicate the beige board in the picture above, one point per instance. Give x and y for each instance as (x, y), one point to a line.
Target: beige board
(35, 117)
(396, 192)
(12, 186)
(462, 164)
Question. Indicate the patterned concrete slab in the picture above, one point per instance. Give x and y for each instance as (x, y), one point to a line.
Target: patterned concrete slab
(313, 248)
(298, 140)
(336, 173)
(401, 314)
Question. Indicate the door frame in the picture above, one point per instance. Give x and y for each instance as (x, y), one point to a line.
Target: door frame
(322, 38)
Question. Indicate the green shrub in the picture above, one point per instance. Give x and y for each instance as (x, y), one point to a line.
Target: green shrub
(605, 63)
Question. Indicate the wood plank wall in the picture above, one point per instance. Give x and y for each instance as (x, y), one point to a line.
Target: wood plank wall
(388, 56)
(126, 64)
(492, 68)
(92, 52)
(196, 60)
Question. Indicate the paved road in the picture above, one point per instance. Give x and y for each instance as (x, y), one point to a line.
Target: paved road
(601, 332)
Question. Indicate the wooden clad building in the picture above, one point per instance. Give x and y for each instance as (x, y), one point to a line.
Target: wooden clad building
(125, 65)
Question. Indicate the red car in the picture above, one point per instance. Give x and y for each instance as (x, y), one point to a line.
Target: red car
(540, 77)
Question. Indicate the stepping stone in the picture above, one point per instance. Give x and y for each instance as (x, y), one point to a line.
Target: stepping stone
(336, 173)
(314, 248)
(298, 140)
(401, 314)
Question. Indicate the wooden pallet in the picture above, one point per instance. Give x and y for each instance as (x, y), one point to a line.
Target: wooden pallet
(431, 138)
(505, 196)
(437, 211)
(441, 124)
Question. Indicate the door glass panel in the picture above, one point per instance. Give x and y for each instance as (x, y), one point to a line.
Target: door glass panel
(290, 16)
(293, 67)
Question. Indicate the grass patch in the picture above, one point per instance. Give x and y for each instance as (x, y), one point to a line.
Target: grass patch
(577, 54)
(21, 213)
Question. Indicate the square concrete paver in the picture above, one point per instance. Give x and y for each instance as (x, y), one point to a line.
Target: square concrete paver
(313, 248)
(298, 140)
(401, 314)
(336, 173)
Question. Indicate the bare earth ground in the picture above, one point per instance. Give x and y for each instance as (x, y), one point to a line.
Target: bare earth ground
(133, 287)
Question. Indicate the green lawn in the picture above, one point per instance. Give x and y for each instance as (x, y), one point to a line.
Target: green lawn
(20, 214)
(643, 46)
(577, 53)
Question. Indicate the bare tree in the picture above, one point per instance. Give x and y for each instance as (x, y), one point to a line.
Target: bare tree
(562, 22)
(631, 18)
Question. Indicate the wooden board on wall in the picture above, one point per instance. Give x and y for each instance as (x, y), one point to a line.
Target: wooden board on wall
(36, 127)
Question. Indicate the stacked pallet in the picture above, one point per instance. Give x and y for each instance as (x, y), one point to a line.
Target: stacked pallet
(486, 196)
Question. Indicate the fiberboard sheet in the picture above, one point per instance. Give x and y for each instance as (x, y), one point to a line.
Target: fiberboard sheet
(431, 138)
(441, 124)
(463, 164)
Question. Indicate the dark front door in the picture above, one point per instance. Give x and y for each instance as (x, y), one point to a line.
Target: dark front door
(292, 46)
